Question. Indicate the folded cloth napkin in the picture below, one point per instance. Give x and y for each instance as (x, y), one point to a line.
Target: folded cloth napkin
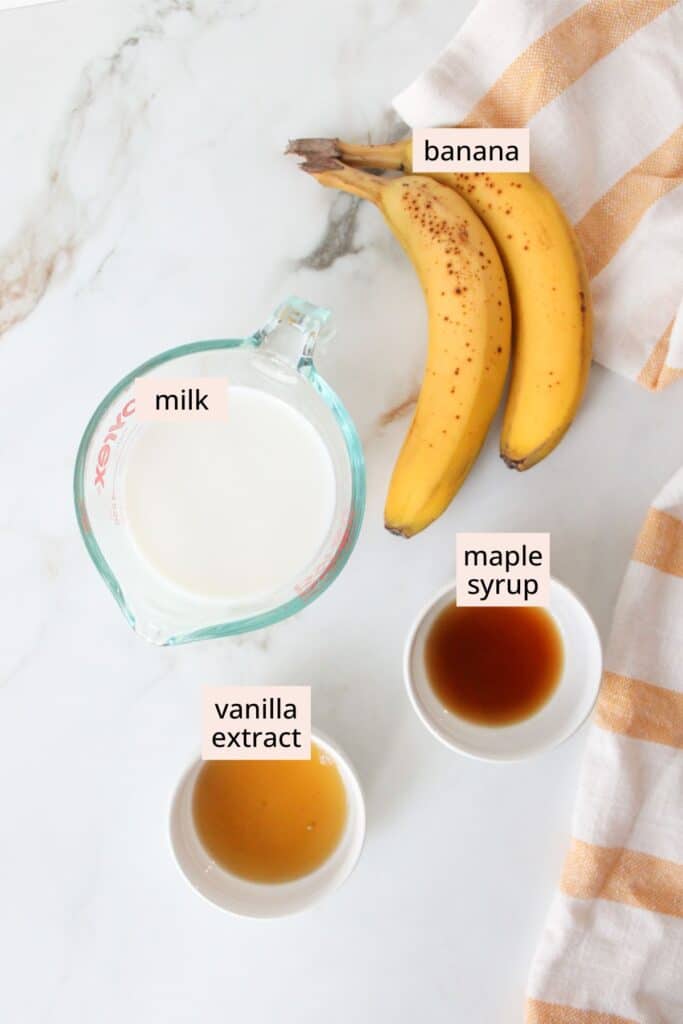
(600, 84)
(612, 949)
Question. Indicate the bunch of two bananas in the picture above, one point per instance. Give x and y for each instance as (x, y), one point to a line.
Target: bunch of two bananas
(498, 263)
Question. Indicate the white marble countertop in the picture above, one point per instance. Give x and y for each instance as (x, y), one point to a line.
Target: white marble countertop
(145, 203)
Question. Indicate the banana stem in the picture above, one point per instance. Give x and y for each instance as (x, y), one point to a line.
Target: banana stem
(322, 162)
(393, 156)
(349, 179)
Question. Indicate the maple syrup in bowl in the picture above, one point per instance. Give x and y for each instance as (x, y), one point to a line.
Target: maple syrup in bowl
(504, 683)
(493, 666)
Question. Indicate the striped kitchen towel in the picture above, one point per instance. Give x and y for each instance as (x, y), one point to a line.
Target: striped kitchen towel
(612, 949)
(601, 86)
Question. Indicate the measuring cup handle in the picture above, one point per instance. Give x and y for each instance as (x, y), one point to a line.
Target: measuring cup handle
(293, 331)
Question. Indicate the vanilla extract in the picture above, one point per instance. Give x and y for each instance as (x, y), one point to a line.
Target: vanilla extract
(270, 821)
(272, 708)
(252, 739)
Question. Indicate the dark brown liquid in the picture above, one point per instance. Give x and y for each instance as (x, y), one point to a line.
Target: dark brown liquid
(493, 666)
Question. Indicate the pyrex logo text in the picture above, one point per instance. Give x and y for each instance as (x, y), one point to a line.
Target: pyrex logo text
(112, 435)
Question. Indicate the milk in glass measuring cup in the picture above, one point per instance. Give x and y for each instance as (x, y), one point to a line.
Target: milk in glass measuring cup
(210, 528)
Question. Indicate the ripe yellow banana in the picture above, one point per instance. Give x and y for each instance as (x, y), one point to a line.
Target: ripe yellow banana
(549, 291)
(469, 335)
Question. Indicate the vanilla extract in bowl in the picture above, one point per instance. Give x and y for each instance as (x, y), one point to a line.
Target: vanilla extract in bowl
(493, 666)
(270, 821)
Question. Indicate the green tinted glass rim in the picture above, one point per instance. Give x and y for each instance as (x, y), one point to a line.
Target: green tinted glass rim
(295, 604)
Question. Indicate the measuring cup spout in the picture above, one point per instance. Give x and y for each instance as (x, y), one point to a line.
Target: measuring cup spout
(294, 330)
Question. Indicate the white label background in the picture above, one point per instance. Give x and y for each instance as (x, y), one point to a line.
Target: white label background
(502, 542)
(300, 696)
(471, 137)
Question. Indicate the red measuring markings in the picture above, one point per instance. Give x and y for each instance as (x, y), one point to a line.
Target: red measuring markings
(111, 436)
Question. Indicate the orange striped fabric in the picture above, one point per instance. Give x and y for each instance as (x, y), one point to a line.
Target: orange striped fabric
(561, 56)
(611, 220)
(641, 710)
(539, 1012)
(660, 542)
(655, 374)
(635, 721)
(626, 876)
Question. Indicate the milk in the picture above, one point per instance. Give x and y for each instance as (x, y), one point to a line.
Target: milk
(233, 510)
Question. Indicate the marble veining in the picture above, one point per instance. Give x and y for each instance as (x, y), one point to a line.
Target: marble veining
(339, 237)
(113, 93)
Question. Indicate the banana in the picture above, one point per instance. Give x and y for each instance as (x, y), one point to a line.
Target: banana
(469, 335)
(549, 291)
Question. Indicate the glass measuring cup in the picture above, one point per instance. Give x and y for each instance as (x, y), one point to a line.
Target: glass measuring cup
(277, 359)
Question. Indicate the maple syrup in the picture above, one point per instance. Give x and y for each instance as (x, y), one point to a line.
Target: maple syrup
(493, 666)
(270, 821)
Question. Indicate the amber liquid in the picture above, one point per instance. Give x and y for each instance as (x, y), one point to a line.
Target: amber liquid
(270, 821)
(493, 666)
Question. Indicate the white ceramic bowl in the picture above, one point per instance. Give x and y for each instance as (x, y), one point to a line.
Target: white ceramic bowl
(259, 899)
(567, 709)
